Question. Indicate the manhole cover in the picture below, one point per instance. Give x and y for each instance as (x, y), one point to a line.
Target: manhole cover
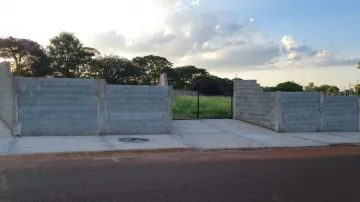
(133, 140)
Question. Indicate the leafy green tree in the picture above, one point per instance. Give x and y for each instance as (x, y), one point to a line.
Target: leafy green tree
(310, 87)
(357, 89)
(70, 59)
(213, 85)
(270, 89)
(333, 90)
(29, 59)
(115, 70)
(187, 76)
(289, 86)
(322, 88)
(151, 68)
(40, 67)
(173, 78)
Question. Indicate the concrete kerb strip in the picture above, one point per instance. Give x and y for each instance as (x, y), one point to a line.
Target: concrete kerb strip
(91, 154)
(119, 153)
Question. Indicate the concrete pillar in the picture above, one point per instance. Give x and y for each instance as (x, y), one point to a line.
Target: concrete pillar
(277, 112)
(102, 107)
(170, 109)
(358, 113)
(16, 129)
(163, 80)
(234, 99)
(321, 111)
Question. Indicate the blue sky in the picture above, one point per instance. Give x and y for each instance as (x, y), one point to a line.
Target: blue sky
(330, 24)
(268, 40)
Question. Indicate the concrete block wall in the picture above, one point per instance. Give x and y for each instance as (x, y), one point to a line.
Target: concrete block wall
(299, 112)
(138, 109)
(252, 105)
(339, 113)
(295, 111)
(7, 96)
(58, 106)
(47, 106)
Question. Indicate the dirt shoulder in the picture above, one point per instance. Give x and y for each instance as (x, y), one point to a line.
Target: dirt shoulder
(183, 157)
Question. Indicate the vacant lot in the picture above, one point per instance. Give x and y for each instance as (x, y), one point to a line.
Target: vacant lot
(210, 107)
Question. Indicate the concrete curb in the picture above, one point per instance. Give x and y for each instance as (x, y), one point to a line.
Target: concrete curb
(114, 153)
(87, 154)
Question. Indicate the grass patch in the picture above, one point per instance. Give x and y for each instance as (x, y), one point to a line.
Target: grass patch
(210, 107)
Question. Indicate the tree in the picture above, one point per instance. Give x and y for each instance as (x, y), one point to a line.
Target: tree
(328, 89)
(310, 87)
(151, 68)
(115, 70)
(333, 90)
(322, 88)
(27, 55)
(270, 89)
(173, 78)
(357, 89)
(289, 86)
(69, 58)
(40, 67)
(358, 65)
(187, 76)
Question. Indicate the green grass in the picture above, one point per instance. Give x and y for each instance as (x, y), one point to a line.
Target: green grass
(211, 107)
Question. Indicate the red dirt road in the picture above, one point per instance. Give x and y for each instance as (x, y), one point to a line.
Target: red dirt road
(323, 174)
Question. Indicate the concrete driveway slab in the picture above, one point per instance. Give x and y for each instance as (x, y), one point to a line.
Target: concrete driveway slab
(183, 127)
(325, 138)
(5, 143)
(281, 140)
(52, 144)
(4, 130)
(353, 135)
(235, 126)
(220, 141)
(155, 142)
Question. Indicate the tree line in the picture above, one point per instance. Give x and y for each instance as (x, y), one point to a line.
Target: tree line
(67, 57)
(291, 86)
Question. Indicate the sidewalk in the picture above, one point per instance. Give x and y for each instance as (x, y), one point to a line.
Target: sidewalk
(187, 135)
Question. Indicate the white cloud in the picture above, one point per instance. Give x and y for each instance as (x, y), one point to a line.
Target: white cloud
(195, 2)
(184, 33)
(299, 55)
(206, 39)
(109, 41)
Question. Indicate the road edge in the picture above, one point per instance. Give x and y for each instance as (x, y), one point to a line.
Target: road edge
(114, 153)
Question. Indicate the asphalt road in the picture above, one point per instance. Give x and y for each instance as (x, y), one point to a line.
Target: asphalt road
(198, 177)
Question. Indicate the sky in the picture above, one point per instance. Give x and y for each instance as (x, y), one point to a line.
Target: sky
(269, 40)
